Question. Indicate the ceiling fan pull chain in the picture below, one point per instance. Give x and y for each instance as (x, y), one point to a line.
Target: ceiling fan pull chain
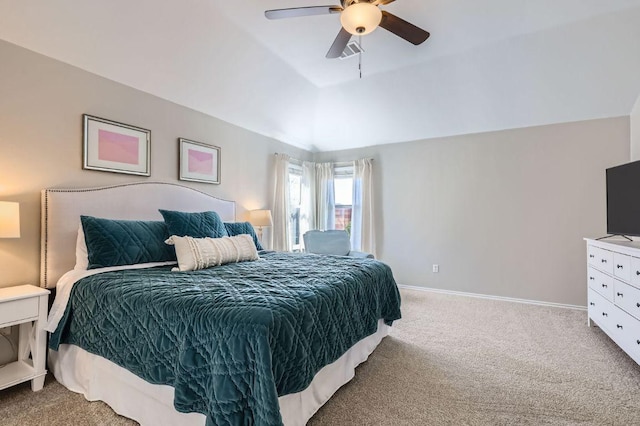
(360, 57)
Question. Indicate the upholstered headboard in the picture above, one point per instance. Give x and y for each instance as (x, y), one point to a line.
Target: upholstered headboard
(61, 210)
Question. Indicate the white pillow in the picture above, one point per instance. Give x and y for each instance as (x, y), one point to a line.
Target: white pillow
(201, 253)
(82, 255)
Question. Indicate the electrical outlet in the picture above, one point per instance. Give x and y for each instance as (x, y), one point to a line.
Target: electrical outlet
(436, 268)
(5, 331)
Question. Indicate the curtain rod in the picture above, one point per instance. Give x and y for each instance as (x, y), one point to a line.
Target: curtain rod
(338, 163)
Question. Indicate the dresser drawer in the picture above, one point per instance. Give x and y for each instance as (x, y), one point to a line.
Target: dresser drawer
(16, 310)
(626, 332)
(601, 310)
(622, 266)
(600, 259)
(635, 272)
(627, 298)
(605, 261)
(600, 282)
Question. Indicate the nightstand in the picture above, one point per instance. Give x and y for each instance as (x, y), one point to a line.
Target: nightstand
(25, 305)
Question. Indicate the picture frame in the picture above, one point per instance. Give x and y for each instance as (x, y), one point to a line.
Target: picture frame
(110, 146)
(199, 162)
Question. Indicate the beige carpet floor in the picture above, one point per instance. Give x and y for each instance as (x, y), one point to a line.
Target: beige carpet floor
(452, 360)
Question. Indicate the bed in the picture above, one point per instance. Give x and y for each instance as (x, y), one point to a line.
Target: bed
(261, 342)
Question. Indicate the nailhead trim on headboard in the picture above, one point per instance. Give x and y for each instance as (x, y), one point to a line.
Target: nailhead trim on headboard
(44, 252)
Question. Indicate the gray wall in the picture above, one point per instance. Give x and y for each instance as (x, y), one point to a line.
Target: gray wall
(41, 106)
(502, 213)
(635, 131)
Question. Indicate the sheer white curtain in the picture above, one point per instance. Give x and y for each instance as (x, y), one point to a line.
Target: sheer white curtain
(308, 203)
(362, 215)
(281, 239)
(325, 201)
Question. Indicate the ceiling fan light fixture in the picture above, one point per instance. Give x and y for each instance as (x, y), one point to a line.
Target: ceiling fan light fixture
(361, 18)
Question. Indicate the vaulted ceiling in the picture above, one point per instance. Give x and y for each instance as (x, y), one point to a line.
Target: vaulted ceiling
(489, 65)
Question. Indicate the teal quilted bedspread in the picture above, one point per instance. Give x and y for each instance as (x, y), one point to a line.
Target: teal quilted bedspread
(231, 339)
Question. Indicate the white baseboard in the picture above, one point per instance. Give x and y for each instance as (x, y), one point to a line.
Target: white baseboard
(501, 298)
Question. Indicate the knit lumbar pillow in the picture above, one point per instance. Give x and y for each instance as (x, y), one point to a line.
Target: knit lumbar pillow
(201, 253)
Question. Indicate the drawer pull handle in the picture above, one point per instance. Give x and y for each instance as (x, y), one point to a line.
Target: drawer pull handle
(637, 305)
(592, 278)
(637, 272)
(604, 260)
(620, 294)
(604, 314)
(604, 286)
(619, 266)
(638, 342)
(592, 304)
(619, 326)
(592, 256)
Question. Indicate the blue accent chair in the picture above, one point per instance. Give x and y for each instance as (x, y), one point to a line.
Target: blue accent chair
(334, 242)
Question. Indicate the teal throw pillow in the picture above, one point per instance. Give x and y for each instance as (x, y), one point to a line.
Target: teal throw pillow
(196, 225)
(238, 228)
(125, 242)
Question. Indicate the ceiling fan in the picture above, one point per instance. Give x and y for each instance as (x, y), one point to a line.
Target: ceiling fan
(358, 17)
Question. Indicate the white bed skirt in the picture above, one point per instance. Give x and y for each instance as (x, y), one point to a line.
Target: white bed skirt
(98, 379)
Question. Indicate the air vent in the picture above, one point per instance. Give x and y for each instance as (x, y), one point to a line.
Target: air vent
(352, 49)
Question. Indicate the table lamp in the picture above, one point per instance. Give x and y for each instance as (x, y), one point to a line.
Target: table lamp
(260, 219)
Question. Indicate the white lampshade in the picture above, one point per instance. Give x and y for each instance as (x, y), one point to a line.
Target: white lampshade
(260, 218)
(361, 18)
(9, 219)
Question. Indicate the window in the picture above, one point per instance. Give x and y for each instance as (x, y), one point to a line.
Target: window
(322, 196)
(295, 200)
(341, 201)
(343, 195)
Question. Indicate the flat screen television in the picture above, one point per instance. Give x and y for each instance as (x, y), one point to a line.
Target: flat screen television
(623, 199)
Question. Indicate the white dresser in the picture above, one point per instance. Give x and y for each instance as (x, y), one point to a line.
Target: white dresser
(613, 277)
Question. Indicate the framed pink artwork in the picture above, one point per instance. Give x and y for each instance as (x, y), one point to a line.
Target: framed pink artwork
(110, 146)
(199, 162)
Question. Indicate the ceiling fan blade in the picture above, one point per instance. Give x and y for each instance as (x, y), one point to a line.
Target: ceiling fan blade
(295, 12)
(403, 29)
(339, 44)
